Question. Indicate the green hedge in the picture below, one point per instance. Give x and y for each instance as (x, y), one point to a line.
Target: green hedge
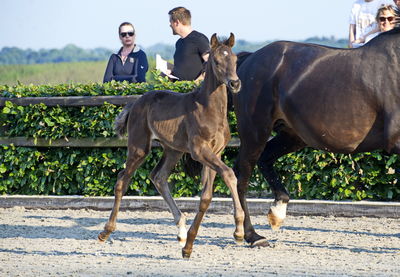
(309, 174)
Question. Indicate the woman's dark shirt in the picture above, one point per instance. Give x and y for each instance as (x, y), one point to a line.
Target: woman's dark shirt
(188, 61)
(134, 70)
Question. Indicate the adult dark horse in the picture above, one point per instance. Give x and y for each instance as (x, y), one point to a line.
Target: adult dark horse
(338, 100)
(194, 123)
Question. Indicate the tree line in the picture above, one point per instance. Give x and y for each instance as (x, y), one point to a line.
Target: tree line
(70, 53)
(73, 53)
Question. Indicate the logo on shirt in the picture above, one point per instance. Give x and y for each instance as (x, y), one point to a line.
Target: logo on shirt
(131, 60)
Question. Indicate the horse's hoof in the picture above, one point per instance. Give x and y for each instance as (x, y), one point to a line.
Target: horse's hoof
(260, 243)
(186, 254)
(276, 214)
(274, 221)
(182, 241)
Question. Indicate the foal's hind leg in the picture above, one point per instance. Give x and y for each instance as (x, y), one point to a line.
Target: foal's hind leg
(159, 176)
(135, 158)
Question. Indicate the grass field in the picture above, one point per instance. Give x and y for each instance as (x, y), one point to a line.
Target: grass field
(55, 73)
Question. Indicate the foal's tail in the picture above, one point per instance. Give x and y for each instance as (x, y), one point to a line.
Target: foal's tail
(120, 124)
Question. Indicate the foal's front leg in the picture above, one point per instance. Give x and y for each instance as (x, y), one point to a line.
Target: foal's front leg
(214, 162)
(204, 154)
(207, 180)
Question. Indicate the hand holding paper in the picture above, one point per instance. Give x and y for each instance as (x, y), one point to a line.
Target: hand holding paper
(165, 67)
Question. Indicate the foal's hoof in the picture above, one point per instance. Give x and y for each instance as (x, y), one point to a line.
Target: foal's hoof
(182, 233)
(238, 238)
(103, 236)
(186, 253)
(260, 243)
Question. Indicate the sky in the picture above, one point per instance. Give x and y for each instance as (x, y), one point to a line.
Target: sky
(89, 24)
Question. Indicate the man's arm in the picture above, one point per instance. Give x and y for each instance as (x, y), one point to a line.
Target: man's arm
(352, 34)
(364, 37)
(205, 56)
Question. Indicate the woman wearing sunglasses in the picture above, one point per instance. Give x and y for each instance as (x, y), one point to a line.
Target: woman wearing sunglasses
(386, 20)
(362, 19)
(130, 63)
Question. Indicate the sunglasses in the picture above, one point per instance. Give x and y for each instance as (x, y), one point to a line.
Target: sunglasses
(389, 18)
(124, 34)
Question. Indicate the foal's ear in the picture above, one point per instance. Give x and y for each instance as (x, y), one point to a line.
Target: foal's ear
(230, 41)
(214, 41)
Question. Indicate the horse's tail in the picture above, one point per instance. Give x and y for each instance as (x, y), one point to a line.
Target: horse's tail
(120, 124)
(241, 57)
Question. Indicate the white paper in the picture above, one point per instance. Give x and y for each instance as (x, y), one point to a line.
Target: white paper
(162, 65)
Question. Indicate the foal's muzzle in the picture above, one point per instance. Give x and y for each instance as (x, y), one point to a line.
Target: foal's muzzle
(234, 85)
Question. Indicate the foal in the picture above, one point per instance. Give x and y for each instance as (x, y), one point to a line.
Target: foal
(194, 123)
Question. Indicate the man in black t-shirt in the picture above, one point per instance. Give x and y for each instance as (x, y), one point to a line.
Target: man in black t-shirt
(191, 50)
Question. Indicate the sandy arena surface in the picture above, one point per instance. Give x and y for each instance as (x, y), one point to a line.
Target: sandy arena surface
(64, 243)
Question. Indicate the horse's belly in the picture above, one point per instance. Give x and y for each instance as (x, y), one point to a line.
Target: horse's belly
(332, 126)
(332, 145)
(344, 140)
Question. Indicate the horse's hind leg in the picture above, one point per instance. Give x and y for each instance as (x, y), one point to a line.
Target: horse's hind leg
(280, 145)
(207, 180)
(136, 156)
(159, 176)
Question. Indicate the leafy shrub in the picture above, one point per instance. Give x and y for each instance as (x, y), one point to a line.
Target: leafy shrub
(310, 174)
(316, 174)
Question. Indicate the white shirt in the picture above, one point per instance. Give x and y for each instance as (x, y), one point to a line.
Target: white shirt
(363, 15)
(368, 38)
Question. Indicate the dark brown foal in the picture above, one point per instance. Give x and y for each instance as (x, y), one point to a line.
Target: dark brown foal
(194, 123)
